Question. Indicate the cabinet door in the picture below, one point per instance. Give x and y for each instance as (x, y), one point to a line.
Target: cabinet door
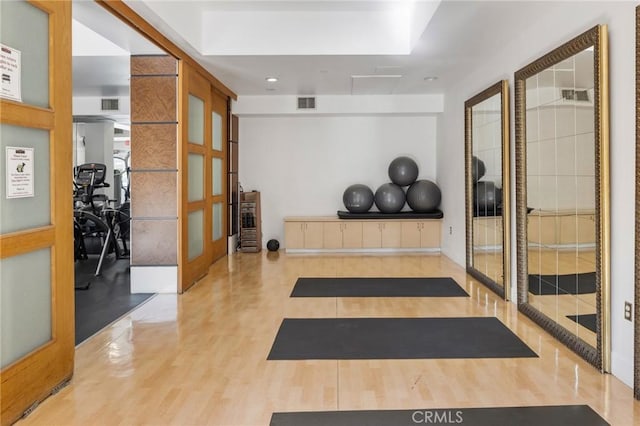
(391, 235)
(430, 234)
(371, 235)
(410, 234)
(293, 235)
(313, 235)
(352, 235)
(332, 235)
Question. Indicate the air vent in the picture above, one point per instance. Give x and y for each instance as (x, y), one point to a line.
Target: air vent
(306, 103)
(117, 131)
(575, 95)
(110, 104)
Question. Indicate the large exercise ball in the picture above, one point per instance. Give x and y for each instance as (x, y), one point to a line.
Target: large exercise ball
(403, 171)
(487, 198)
(358, 198)
(389, 198)
(478, 169)
(423, 196)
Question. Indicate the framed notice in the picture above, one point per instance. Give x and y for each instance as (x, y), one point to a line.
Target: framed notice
(10, 69)
(19, 172)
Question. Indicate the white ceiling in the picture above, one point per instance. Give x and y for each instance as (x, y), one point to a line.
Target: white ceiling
(457, 35)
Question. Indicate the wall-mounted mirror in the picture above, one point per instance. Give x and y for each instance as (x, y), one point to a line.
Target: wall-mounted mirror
(562, 194)
(487, 187)
(636, 380)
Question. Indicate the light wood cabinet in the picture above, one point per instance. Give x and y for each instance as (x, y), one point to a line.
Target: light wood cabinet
(352, 235)
(421, 234)
(331, 233)
(307, 235)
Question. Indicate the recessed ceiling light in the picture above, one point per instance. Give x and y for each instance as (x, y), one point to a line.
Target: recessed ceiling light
(271, 79)
(431, 78)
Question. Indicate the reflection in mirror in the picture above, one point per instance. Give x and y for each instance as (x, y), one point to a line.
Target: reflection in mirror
(487, 177)
(562, 157)
(560, 194)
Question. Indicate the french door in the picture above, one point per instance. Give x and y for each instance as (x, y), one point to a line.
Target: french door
(36, 228)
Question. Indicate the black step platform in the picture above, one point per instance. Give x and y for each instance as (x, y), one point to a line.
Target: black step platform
(436, 214)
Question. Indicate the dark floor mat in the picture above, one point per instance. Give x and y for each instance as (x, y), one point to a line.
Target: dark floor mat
(585, 320)
(561, 415)
(544, 285)
(396, 338)
(107, 298)
(377, 287)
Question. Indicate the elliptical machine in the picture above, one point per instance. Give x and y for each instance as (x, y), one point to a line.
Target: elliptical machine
(97, 225)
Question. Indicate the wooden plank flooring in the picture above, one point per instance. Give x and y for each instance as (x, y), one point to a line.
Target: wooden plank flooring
(200, 358)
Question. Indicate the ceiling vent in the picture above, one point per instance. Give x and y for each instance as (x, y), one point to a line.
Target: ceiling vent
(575, 95)
(110, 104)
(307, 103)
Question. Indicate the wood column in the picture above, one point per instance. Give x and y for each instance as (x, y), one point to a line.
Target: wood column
(154, 174)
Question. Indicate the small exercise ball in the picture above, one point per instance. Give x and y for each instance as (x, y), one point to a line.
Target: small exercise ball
(478, 169)
(389, 198)
(358, 198)
(423, 196)
(403, 171)
(273, 245)
(487, 198)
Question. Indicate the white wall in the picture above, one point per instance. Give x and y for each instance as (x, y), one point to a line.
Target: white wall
(555, 24)
(302, 164)
(98, 139)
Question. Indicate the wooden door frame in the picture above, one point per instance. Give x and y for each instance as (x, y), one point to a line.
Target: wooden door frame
(33, 377)
(219, 104)
(192, 270)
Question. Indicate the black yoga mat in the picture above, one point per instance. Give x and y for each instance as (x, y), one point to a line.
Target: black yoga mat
(585, 320)
(396, 338)
(559, 415)
(377, 287)
(543, 285)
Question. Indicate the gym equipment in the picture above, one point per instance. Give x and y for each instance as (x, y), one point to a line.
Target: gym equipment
(273, 245)
(403, 171)
(98, 227)
(358, 198)
(389, 198)
(486, 198)
(478, 169)
(423, 196)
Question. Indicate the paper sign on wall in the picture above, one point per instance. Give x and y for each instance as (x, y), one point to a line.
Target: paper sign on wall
(19, 172)
(10, 69)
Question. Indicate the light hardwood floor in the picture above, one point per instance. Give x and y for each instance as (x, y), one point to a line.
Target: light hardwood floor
(200, 358)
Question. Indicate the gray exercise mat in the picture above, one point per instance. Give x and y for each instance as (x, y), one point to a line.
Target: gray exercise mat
(396, 338)
(559, 415)
(378, 287)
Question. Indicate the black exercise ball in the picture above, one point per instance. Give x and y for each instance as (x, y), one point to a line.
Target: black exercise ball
(423, 196)
(487, 198)
(273, 245)
(358, 198)
(403, 171)
(389, 198)
(478, 169)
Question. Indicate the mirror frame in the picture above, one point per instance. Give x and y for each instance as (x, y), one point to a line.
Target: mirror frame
(500, 88)
(596, 37)
(636, 317)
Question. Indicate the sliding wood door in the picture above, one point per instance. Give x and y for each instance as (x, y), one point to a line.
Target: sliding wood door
(36, 218)
(219, 188)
